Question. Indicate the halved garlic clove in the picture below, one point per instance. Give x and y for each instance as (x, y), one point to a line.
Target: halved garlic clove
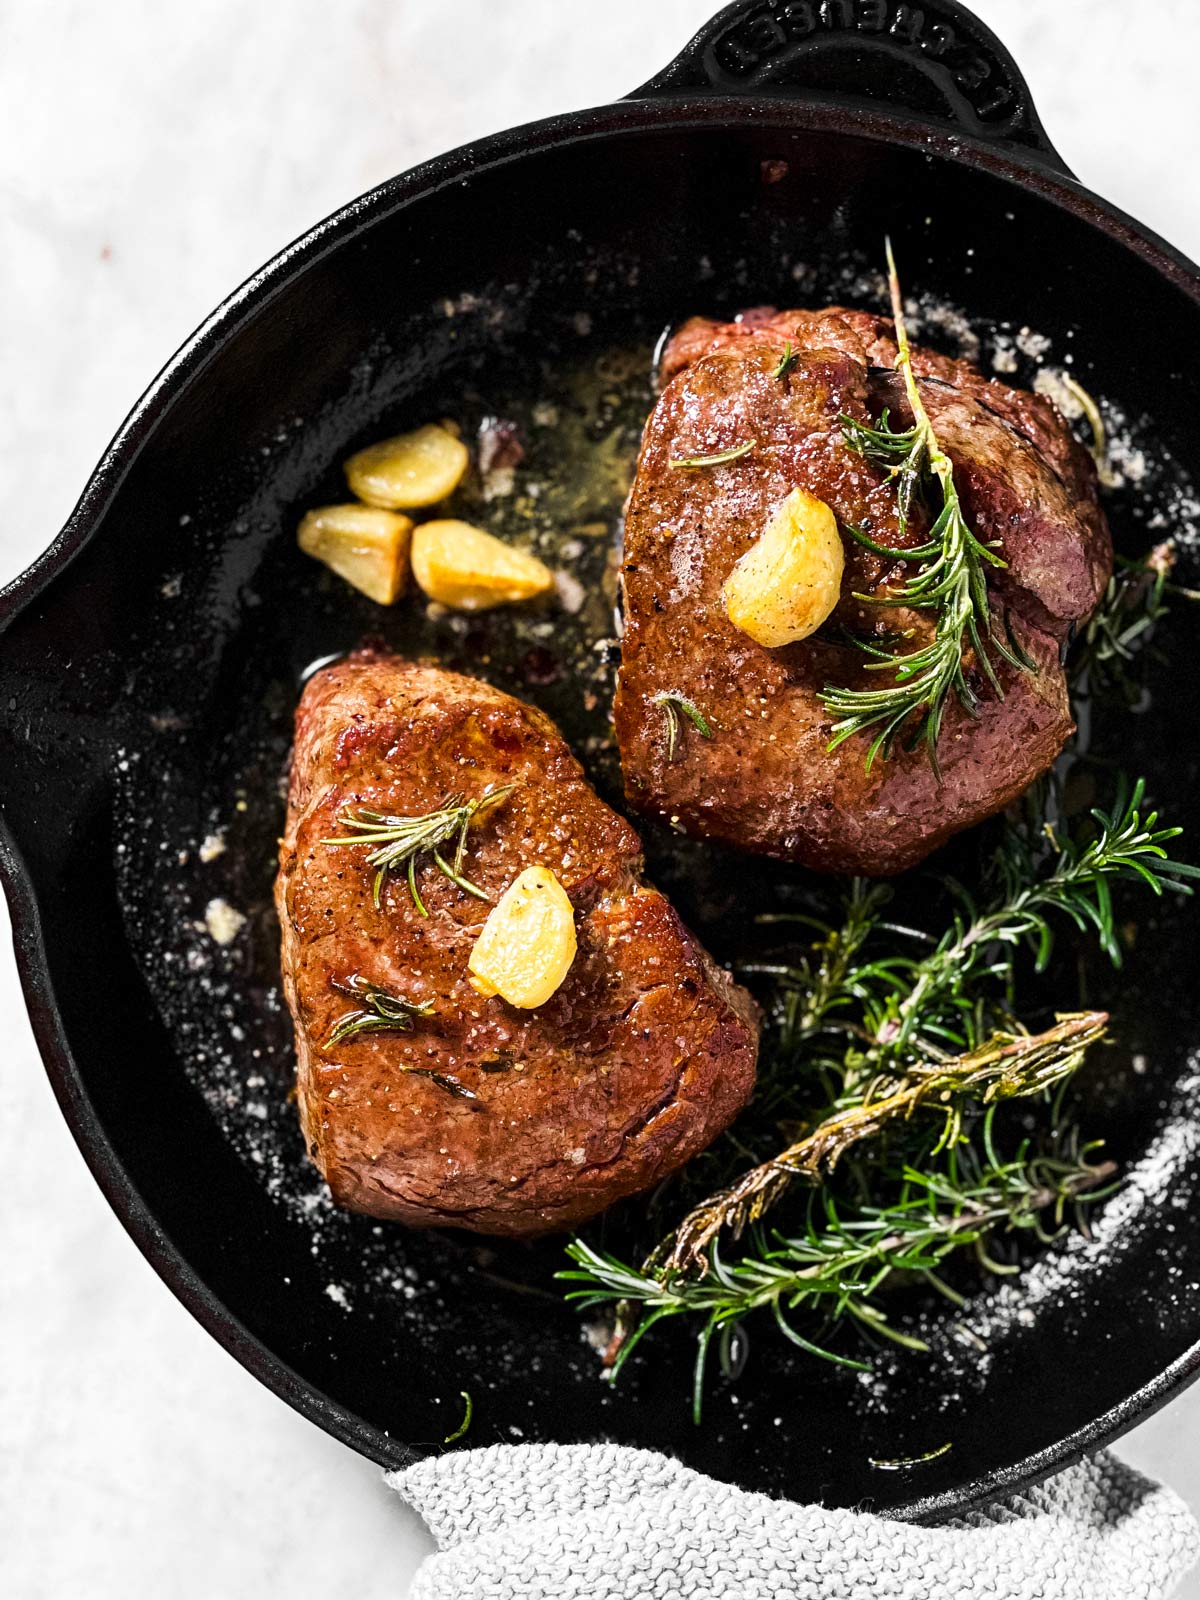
(526, 946)
(362, 544)
(470, 570)
(412, 469)
(789, 580)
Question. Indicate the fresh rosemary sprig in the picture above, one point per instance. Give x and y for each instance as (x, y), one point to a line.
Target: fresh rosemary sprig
(381, 1011)
(734, 453)
(674, 706)
(931, 998)
(904, 453)
(832, 1267)
(1006, 1066)
(399, 842)
(1122, 845)
(864, 1015)
(950, 582)
(870, 1031)
(827, 978)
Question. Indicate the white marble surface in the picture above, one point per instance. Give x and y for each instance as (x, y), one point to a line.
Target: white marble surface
(151, 155)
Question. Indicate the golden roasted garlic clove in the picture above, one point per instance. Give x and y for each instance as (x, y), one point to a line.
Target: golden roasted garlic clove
(413, 469)
(526, 946)
(364, 545)
(789, 580)
(470, 570)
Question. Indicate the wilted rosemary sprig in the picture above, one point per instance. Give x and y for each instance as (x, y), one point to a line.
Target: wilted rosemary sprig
(1006, 1066)
(1106, 650)
(1098, 449)
(718, 459)
(380, 1011)
(385, 1012)
(399, 842)
(831, 1266)
(673, 706)
(898, 1464)
(950, 582)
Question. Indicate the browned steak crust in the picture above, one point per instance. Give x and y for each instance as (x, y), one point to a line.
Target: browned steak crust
(765, 781)
(642, 1056)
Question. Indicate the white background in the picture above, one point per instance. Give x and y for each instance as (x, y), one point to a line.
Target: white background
(152, 154)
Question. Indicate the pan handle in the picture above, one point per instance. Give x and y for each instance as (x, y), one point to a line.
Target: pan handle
(934, 61)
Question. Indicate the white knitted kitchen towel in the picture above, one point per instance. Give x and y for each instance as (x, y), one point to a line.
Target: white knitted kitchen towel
(603, 1522)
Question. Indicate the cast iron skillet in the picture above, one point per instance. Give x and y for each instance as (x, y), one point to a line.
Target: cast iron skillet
(150, 659)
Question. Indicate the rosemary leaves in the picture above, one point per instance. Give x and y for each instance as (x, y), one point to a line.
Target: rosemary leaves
(878, 1137)
(786, 362)
(398, 843)
(902, 452)
(380, 1011)
(902, 1463)
(831, 1263)
(1104, 660)
(719, 459)
(673, 707)
(950, 582)
(468, 1413)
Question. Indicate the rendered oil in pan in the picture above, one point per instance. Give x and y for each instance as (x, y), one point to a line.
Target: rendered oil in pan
(197, 853)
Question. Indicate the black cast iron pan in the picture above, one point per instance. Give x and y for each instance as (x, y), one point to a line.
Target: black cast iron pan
(149, 662)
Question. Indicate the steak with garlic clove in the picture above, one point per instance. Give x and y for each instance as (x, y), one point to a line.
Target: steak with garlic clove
(766, 780)
(481, 1115)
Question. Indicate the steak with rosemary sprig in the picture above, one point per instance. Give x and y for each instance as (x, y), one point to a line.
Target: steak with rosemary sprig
(466, 1111)
(759, 773)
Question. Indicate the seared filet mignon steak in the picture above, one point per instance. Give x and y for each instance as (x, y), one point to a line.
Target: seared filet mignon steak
(481, 1115)
(765, 779)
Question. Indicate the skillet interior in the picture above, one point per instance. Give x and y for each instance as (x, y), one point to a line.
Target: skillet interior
(148, 690)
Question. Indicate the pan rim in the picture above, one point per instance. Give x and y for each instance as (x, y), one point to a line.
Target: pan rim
(668, 114)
